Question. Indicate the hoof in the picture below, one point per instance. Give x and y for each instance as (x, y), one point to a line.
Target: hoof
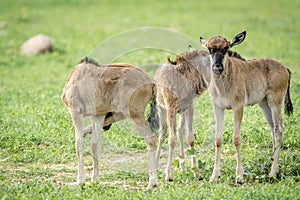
(274, 179)
(169, 177)
(150, 188)
(80, 181)
(169, 180)
(152, 181)
(239, 180)
(214, 179)
(81, 184)
(238, 183)
(274, 176)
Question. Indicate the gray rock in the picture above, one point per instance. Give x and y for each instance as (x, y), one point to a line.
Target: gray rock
(38, 44)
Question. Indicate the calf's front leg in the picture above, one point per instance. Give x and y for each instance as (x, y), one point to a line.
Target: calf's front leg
(238, 116)
(219, 117)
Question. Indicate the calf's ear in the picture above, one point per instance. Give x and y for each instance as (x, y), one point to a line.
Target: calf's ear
(238, 39)
(191, 48)
(203, 42)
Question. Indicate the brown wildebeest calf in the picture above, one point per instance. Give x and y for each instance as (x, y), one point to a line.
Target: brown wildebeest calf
(178, 84)
(236, 84)
(120, 90)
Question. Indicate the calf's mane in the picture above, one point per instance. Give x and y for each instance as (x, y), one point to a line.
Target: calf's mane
(89, 61)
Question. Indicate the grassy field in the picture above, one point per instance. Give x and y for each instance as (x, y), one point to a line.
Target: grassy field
(37, 150)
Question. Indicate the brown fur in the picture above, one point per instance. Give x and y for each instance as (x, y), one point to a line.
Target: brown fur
(117, 91)
(236, 84)
(178, 84)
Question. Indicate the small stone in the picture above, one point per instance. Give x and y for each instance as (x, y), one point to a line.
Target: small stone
(38, 44)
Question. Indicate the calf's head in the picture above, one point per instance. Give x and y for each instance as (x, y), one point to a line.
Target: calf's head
(218, 48)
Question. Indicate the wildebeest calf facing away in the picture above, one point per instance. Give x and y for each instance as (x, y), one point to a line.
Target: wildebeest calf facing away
(120, 90)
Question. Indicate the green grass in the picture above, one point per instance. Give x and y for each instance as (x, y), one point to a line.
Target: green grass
(37, 151)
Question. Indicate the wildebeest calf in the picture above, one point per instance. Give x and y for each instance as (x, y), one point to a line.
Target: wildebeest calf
(120, 90)
(236, 84)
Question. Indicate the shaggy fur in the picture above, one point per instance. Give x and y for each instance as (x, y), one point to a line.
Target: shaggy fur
(178, 83)
(107, 94)
(236, 84)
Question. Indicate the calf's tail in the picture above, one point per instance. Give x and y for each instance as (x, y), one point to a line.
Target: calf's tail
(288, 106)
(153, 118)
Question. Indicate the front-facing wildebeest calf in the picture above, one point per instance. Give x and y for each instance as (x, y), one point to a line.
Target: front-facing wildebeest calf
(178, 84)
(116, 90)
(236, 84)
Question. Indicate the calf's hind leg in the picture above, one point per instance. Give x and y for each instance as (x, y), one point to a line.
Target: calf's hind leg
(171, 117)
(77, 118)
(180, 128)
(274, 118)
(267, 113)
(162, 131)
(150, 139)
(97, 123)
(277, 138)
(191, 139)
(137, 117)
